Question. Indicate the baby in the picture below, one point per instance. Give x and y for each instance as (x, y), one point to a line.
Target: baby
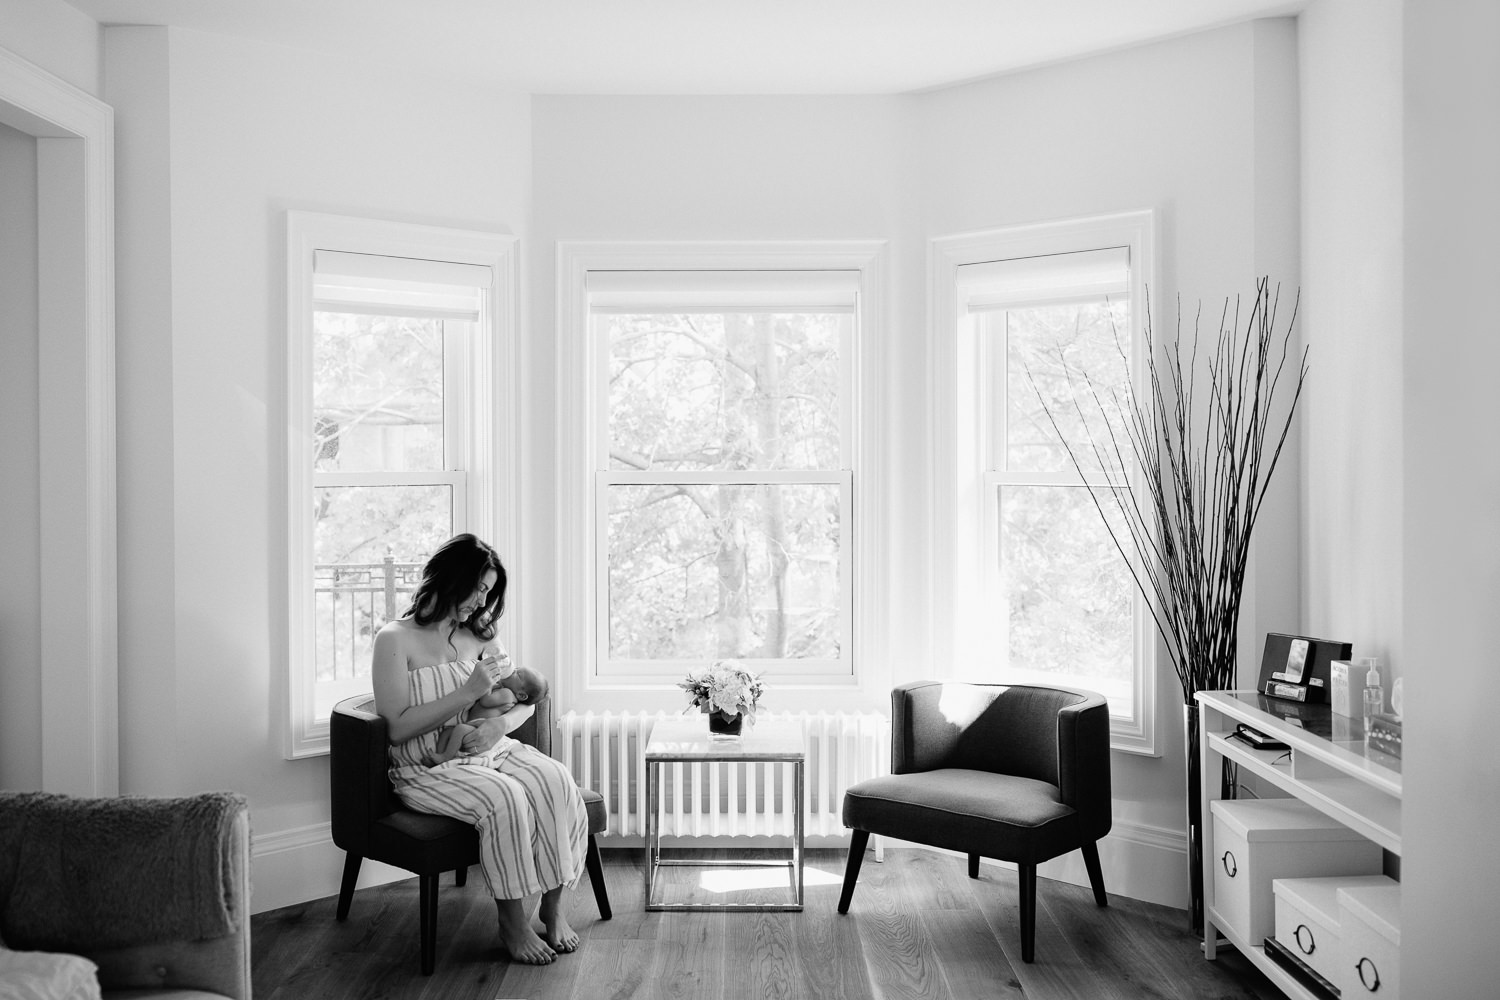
(523, 686)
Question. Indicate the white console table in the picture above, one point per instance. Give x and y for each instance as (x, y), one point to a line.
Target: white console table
(1328, 766)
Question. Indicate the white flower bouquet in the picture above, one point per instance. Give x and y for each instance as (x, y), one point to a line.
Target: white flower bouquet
(725, 687)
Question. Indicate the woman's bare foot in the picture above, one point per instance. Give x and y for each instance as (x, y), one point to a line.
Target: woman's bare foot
(557, 932)
(517, 937)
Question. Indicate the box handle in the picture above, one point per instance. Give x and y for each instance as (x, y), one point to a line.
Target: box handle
(1311, 946)
(1231, 866)
(1359, 967)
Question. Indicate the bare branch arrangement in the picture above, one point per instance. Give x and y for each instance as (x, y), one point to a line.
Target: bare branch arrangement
(1204, 466)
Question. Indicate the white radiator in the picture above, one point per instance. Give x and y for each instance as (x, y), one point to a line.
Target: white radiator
(605, 751)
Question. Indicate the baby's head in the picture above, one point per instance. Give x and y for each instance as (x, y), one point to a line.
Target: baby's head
(526, 684)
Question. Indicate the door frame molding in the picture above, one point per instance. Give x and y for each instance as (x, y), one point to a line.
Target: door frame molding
(78, 582)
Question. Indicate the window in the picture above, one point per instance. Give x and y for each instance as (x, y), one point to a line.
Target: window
(392, 353)
(1047, 336)
(720, 470)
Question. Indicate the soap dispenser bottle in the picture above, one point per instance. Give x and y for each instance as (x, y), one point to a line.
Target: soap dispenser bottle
(1374, 693)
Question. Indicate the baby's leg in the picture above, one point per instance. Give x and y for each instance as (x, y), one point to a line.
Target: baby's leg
(450, 743)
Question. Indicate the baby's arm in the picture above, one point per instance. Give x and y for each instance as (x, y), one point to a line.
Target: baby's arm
(450, 744)
(499, 698)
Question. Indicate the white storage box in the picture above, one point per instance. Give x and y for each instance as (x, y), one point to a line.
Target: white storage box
(1370, 942)
(1307, 917)
(1258, 840)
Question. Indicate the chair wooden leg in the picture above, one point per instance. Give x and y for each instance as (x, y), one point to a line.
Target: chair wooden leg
(596, 876)
(427, 893)
(346, 887)
(973, 866)
(1096, 873)
(857, 844)
(1028, 911)
(461, 876)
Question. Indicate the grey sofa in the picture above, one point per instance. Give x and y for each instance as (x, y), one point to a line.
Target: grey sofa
(154, 891)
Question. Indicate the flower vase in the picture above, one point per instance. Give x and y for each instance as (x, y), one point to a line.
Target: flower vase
(1194, 816)
(723, 726)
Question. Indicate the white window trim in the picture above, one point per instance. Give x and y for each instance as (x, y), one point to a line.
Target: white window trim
(579, 686)
(956, 390)
(492, 389)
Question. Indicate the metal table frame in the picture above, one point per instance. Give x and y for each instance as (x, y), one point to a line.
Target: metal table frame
(686, 740)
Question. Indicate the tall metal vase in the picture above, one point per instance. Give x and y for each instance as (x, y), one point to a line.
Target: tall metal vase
(1194, 816)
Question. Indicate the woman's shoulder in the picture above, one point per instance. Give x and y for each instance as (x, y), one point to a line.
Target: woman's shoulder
(404, 636)
(399, 630)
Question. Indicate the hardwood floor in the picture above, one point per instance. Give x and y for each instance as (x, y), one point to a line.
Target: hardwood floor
(918, 927)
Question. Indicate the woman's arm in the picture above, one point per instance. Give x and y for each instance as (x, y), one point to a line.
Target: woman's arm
(388, 675)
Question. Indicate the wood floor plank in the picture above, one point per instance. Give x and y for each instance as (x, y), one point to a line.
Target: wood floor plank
(939, 881)
(689, 959)
(961, 942)
(1153, 946)
(1059, 971)
(1098, 934)
(971, 961)
(759, 961)
(898, 952)
(829, 949)
(611, 969)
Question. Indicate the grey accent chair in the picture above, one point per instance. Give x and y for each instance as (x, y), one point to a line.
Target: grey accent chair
(1016, 773)
(369, 821)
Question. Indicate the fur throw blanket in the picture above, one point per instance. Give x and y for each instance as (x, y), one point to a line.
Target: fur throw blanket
(82, 874)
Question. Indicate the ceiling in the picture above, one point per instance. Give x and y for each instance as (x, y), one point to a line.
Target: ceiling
(700, 46)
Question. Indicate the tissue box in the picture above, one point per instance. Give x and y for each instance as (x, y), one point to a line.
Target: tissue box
(1385, 733)
(1347, 681)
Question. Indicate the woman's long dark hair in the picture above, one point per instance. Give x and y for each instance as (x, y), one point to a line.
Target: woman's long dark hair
(450, 577)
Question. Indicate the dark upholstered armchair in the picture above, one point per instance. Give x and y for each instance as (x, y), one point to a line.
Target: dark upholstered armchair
(1015, 773)
(369, 821)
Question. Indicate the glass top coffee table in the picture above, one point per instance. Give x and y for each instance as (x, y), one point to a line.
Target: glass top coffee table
(686, 740)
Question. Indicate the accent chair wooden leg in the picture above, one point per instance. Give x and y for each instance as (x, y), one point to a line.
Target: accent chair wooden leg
(1028, 911)
(973, 866)
(346, 887)
(461, 876)
(427, 893)
(596, 876)
(857, 843)
(1096, 873)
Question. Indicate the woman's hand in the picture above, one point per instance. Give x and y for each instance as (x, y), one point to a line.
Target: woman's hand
(485, 675)
(501, 661)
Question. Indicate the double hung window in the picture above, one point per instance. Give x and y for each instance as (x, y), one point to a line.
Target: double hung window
(721, 459)
(389, 456)
(1048, 339)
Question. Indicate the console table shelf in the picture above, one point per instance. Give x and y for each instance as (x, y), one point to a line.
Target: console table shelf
(1327, 765)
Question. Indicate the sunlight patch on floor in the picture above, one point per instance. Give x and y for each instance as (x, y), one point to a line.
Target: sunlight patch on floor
(736, 879)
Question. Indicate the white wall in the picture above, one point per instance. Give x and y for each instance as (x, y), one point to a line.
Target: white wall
(20, 486)
(218, 138)
(1352, 230)
(55, 36)
(1451, 516)
(706, 168)
(1170, 126)
(1173, 127)
(62, 41)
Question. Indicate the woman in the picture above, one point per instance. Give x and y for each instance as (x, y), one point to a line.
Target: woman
(430, 666)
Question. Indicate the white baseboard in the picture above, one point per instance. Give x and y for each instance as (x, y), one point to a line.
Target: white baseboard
(1139, 861)
(300, 865)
